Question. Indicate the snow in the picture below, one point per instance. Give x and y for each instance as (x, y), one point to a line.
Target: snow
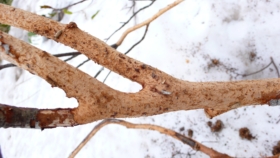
(182, 43)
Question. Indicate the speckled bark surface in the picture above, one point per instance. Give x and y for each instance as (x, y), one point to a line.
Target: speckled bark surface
(161, 92)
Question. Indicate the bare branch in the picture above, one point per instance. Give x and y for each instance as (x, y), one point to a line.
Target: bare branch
(72, 36)
(252, 73)
(161, 92)
(70, 5)
(107, 76)
(83, 63)
(216, 62)
(6, 66)
(147, 21)
(73, 54)
(70, 58)
(130, 19)
(186, 140)
(60, 9)
(11, 116)
(101, 69)
(147, 26)
(67, 54)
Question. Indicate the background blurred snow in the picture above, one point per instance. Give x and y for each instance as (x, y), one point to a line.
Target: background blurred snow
(182, 43)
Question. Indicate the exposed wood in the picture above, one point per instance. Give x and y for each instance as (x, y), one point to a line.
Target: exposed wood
(161, 92)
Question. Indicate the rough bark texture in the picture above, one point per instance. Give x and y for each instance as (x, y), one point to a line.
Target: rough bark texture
(161, 92)
(11, 116)
(17, 117)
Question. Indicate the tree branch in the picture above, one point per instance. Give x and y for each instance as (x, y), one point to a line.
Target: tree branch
(11, 116)
(73, 54)
(148, 21)
(186, 140)
(161, 92)
(143, 37)
(6, 66)
(129, 20)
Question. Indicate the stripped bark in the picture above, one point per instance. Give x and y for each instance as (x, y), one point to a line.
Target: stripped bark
(160, 93)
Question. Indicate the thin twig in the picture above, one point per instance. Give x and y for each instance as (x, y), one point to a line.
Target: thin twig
(216, 62)
(132, 7)
(59, 9)
(186, 140)
(271, 62)
(101, 69)
(129, 20)
(148, 21)
(6, 66)
(244, 75)
(83, 63)
(107, 76)
(70, 58)
(147, 26)
(67, 54)
(73, 54)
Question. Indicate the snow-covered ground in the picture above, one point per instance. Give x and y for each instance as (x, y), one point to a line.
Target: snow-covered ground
(182, 42)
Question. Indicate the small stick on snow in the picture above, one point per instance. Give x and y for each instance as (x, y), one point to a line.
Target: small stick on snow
(188, 141)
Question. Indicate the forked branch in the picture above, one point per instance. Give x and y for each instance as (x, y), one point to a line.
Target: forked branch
(148, 21)
(160, 93)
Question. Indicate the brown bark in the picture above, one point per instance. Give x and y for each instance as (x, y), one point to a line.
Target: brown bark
(161, 92)
(186, 140)
(11, 116)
